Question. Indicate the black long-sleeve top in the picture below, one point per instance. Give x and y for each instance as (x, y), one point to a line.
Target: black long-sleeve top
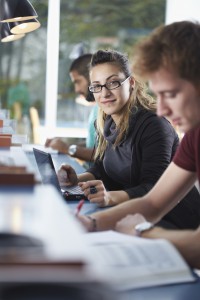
(139, 160)
(136, 164)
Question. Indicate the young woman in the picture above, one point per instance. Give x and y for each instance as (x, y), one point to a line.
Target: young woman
(134, 145)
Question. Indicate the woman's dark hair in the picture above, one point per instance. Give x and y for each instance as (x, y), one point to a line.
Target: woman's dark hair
(111, 56)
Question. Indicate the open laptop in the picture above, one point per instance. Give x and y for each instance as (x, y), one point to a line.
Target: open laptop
(48, 176)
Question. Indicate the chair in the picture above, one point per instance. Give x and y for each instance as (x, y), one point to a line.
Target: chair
(35, 122)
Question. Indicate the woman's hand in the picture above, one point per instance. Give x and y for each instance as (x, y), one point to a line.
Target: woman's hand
(95, 191)
(87, 222)
(127, 224)
(67, 176)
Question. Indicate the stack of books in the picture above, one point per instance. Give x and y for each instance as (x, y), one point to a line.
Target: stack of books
(6, 133)
(15, 168)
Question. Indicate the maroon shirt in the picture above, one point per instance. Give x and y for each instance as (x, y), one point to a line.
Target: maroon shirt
(188, 153)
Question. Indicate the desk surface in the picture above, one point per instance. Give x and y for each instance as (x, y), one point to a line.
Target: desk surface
(184, 291)
(167, 292)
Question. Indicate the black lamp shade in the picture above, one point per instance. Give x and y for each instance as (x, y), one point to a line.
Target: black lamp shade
(24, 26)
(7, 36)
(16, 10)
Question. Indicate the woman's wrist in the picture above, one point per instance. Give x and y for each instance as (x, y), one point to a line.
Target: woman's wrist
(93, 224)
(116, 197)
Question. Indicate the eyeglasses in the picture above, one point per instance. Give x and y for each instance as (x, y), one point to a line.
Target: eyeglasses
(112, 85)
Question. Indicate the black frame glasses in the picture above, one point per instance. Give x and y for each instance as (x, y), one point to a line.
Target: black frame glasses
(112, 85)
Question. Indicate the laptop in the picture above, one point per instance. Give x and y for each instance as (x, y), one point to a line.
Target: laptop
(48, 176)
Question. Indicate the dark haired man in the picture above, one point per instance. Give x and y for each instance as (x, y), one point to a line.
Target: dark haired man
(79, 74)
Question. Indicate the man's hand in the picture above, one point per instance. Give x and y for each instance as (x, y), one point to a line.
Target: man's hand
(57, 144)
(127, 224)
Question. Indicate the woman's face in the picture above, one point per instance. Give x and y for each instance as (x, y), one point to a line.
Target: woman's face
(111, 101)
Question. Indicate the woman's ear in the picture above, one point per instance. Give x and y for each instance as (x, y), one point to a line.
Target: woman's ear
(132, 83)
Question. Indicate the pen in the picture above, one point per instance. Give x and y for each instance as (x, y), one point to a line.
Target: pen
(79, 206)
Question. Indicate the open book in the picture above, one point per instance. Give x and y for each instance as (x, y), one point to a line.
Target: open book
(129, 262)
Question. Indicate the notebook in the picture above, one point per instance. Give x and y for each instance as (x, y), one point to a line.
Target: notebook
(48, 176)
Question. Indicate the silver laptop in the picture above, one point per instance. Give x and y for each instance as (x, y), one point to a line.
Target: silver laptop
(48, 176)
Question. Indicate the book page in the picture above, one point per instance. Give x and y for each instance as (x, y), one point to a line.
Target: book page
(131, 262)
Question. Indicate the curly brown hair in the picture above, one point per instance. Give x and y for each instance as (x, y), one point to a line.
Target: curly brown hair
(175, 47)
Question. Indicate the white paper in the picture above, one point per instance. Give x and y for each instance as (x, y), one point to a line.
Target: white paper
(131, 262)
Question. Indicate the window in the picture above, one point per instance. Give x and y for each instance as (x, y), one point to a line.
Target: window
(85, 26)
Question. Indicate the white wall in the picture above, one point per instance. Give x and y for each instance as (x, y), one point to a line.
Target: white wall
(179, 10)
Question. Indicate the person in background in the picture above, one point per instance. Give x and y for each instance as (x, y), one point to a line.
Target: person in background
(79, 73)
(169, 60)
(134, 146)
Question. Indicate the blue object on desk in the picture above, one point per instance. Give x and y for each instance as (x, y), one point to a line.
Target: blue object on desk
(88, 208)
(10, 240)
(57, 291)
(183, 291)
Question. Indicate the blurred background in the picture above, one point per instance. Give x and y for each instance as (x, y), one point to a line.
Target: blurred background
(34, 69)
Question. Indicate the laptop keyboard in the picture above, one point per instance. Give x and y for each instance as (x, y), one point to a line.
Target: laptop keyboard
(73, 189)
(57, 162)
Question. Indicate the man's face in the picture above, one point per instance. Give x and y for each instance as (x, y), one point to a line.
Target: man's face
(80, 83)
(177, 99)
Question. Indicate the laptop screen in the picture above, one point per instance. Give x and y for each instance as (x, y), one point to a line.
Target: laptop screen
(46, 168)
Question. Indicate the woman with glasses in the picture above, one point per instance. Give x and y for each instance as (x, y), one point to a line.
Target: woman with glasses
(134, 145)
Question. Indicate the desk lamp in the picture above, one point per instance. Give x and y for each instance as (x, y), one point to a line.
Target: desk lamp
(24, 26)
(16, 10)
(7, 36)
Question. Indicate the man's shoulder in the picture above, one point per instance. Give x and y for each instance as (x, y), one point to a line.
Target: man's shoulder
(192, 137)
(94, 110)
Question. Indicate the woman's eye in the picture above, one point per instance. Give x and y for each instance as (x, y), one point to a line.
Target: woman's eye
(112, 83)
(96, 87)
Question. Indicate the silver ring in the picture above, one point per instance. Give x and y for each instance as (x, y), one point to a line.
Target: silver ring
(93, 190)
